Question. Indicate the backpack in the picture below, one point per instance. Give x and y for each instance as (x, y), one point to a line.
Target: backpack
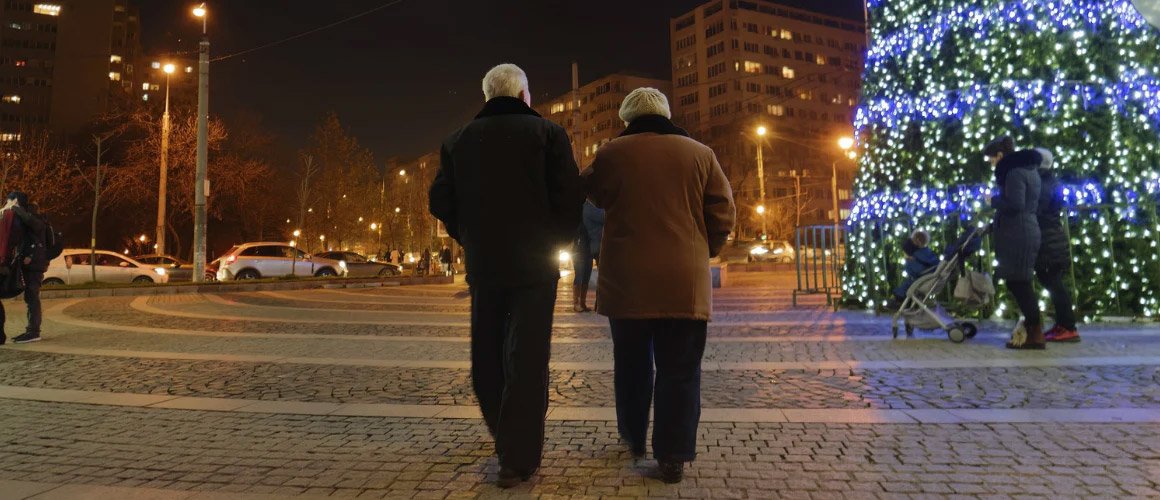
(53, 242)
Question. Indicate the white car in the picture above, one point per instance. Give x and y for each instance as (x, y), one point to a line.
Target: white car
(251, 261)
(72, 268)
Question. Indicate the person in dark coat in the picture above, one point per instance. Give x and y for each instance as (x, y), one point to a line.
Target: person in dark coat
(445, 261)
(508, 190)
(29, 239)
(1054, 259)
(585, 251)
(669, 210)
(1016, 234)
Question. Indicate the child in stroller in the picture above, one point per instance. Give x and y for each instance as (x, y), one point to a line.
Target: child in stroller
(920, 308)
(919, 260)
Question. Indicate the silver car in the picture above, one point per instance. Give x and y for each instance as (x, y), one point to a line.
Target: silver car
(73, 267)
(179, 270)
(358, 266)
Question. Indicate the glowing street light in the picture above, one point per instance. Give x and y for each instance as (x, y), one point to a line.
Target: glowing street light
(200, 11)
(761, 131)
(374, 226)
(169, 68)
(761, 210)
(402, 172)
(397, 210)
(142, 238)
(297, 233)
(846, 143)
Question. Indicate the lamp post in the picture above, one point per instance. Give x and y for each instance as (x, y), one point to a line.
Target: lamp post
(846, 143)
(761, 131)
(163, 183)
(199, 211)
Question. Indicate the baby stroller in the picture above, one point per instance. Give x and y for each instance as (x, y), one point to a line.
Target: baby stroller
(921, 310)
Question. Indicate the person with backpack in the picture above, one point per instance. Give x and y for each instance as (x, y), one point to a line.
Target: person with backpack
(28, 238)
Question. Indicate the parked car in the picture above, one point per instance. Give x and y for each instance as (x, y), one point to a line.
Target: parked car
(358, 266)
(179, 270)
(72, 267)
(251, 261)
(779, 251)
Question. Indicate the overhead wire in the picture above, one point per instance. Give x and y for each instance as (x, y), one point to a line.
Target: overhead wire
(308, 32)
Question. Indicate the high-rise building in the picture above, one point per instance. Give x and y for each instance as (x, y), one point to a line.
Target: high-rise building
(183, 82)
(593, 118)
(64, 63)
(739, 65)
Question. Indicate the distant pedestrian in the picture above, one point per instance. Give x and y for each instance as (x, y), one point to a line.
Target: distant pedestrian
(508, 191)
(584, 252)
(424, 265)
(1054, 259)
(445, 261)
(669, 209)
(27, 255)
(1016, 233)
(396, 257)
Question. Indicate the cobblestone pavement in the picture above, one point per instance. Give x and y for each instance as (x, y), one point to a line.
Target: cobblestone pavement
(389, 347)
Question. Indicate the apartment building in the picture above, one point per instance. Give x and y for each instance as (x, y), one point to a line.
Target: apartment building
(739, 65)
(64, 63)
(593, 118)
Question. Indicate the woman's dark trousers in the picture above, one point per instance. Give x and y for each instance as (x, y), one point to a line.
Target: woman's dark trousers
(676, 347)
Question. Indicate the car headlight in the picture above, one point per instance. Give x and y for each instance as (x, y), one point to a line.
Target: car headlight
(565, 256)
(159, 270)
(342, 264)
(778, 251)
(759, 250)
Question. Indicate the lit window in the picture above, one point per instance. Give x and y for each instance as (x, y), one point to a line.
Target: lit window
(16, 26)
(9, 137)
(156, 65)
(786, 35)
(775, 110)
(114, 76)
(189, 69)
(558, 108)
(155, 87)
(788, 72)
(821, 60)
(752, 67)
(144, 86)
(20, 63)
(47, 9)
(114, 58)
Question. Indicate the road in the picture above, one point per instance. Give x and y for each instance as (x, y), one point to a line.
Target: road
(366, 393)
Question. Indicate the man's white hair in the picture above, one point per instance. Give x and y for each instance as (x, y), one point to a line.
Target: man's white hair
(505, 80)
(644, 101)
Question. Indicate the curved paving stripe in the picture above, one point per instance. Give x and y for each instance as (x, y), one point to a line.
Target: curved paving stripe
(583, 356)
(1107, 386)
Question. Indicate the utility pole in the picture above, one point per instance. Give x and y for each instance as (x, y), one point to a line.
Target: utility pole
(797, 197)
(200, 181)
(163, 184)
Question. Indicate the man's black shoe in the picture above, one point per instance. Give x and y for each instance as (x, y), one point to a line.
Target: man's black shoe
(509, 478)
(672, 472)
(3, 338)
(26, 338)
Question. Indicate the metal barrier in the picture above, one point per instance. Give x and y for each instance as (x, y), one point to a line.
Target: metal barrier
(818, 258)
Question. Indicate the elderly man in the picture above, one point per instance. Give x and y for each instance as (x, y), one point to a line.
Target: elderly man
(669, 208)
(508, 190)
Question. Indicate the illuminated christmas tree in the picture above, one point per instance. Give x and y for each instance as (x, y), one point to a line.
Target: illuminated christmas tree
(1078, 77)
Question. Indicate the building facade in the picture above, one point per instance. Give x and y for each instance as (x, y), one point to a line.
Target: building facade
(739, 65)
(64, 63)
(593, 117)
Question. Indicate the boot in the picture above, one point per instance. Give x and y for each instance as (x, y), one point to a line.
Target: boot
(576, 299)
(584, 298)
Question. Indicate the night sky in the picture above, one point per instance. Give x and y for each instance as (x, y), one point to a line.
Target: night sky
(404, 77)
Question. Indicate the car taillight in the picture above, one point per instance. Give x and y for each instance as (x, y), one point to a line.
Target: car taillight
(231, 259)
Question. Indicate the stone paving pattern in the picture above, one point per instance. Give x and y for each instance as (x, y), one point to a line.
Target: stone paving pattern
(378, 457)
(428, 458)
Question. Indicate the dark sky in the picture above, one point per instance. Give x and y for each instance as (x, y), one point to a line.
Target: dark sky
(404, 77)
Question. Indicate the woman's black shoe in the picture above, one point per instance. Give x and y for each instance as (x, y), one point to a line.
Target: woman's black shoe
(672, 472)
(509, 478)
(3, 338)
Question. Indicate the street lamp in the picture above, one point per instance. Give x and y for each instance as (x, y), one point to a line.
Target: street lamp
(200, 181)
(845, 143)
(297, 233)
(761, 131)
(163, 183)
(402, 173)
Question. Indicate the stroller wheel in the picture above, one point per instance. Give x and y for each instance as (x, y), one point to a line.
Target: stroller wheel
(970, 330)
(956, 334)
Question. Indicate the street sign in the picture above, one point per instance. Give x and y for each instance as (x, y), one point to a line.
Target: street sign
(1150, 9)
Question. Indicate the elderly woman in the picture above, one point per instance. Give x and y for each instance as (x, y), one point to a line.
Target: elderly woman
(1016, 233)
(668, 210)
